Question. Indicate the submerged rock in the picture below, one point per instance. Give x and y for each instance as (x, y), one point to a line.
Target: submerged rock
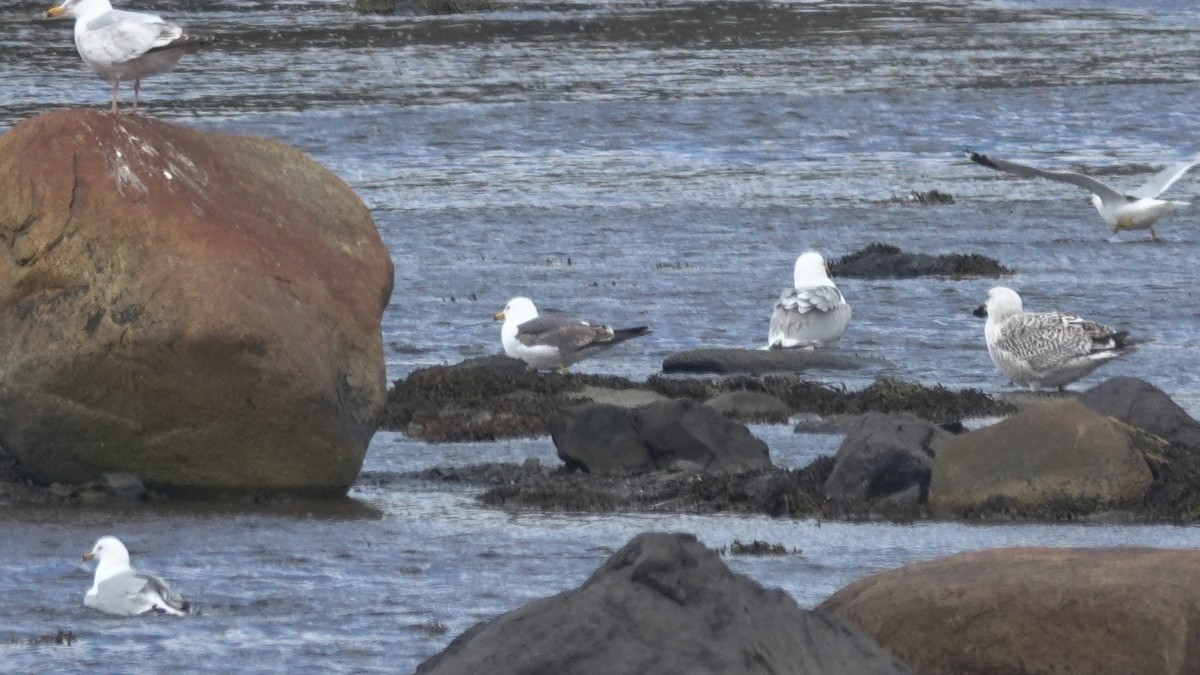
(664, 604)
(1035, 610)
(197, 309)
(883, 261)
(757, 361)
(1057, 456)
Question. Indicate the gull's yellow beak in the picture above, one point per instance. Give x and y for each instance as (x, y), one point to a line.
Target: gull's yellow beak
(88, 556)
(54, 12)
(498, 316)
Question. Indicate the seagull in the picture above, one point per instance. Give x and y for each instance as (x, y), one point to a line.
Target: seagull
(1137, 209)
(121, 45)
(813, 313)
(122, 591)
(546, 342)
(1045, 349)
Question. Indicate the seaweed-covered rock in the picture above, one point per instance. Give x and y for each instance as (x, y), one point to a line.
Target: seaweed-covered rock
(883, 261)
(664, 604)
(497, 397)
(884, 458)
(1058, 453)
(1035, 610)
(671, 435)
(755, 361)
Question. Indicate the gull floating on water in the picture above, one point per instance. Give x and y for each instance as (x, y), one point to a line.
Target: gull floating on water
(1045, 349)
(813, 313)
(119, 590)
(121, 45)
(1134, 210)
(547, 342)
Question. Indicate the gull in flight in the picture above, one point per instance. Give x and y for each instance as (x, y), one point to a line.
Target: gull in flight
(1045, 349)
(547, 342)
(1137, 209)
(122, 591)
(813, 313)
(121, 45)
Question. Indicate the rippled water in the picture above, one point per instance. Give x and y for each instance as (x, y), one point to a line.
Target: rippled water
(657, 163)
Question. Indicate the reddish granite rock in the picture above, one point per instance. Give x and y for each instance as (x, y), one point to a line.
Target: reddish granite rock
(198, 309)
(1035, 610)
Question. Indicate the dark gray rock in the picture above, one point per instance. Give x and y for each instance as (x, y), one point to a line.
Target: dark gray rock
(756, 361)
(686, 431)
(675, 435)
(1143, 405)
(750, 406)
(663, 604)
(885, 458)
(599, 438)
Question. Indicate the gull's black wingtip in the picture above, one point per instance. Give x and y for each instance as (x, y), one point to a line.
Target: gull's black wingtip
(982, 160)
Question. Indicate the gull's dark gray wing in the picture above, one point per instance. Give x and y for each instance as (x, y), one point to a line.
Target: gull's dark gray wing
(1165, 178)
(1105, 192)
(565, 335)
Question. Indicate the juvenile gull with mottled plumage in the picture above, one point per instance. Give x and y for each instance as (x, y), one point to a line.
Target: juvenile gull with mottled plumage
(547, 342)
(118, 589)
(1045, 349)
(813, 313)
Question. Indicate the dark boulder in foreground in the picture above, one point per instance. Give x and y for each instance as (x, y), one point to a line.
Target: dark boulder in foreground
(883, 261)
(1035, 610)
(667, 605)
(676, 435)
(757, 361)
(1056, 454)
(884, 458)
(197, 309)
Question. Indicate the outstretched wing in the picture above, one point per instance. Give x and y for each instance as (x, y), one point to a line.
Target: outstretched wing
(1082, 180)
(1165, 178)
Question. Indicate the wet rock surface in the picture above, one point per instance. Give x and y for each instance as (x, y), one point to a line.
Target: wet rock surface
(664, 604)
(675, 435)
(161, 320)
(1060, 453)
(884, 261)
(1035, 610)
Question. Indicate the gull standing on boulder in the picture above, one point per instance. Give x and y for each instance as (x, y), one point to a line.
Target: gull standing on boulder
(813, 313)
(1045, 349)
(546, 342)
(1135, 210)
(122, 591)
(121, 45)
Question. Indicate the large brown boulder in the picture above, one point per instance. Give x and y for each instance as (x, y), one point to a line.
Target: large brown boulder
(1059, 453)
(198, 309)
(666, 605)
(1031, 610)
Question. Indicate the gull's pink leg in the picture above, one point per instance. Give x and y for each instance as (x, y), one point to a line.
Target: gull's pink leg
(113, 109)
(137, 88)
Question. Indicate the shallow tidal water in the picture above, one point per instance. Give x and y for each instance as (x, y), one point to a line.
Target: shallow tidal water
(658, 163)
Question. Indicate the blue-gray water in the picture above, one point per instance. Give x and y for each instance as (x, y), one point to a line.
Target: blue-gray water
(658, 163)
